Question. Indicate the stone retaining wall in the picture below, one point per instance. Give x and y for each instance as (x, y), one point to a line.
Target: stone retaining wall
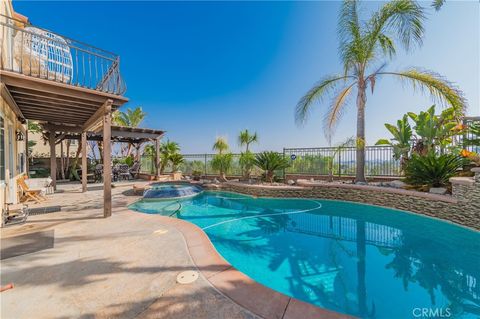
(463, 208)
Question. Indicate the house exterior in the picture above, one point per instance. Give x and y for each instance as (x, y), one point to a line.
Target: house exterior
(12, 129)
(69, 87)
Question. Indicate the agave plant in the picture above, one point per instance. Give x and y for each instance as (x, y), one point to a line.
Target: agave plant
(270, 162)
(431, 169)
(401, 141)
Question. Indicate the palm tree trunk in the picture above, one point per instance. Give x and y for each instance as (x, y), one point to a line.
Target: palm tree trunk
(361, 100)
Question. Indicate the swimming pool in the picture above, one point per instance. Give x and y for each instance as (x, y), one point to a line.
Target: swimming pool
(361, 260)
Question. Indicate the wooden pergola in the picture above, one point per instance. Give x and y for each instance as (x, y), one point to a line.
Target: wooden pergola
(121, 134)
(64, 108)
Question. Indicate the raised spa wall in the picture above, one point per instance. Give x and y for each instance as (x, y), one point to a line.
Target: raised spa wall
(463, 207)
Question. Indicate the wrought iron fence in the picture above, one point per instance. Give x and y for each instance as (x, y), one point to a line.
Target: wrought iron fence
(379, 161)
(304, 161)
(40, 53)
(469, 135)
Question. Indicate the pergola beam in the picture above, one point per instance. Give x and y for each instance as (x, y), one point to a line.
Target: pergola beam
(95, 118)
(5, 93)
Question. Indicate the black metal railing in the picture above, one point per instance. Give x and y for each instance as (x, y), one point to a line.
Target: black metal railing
(336, 161)
(40, 53)
(304, 161)
(469, 135)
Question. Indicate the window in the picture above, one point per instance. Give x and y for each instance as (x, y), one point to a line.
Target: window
(2, 150)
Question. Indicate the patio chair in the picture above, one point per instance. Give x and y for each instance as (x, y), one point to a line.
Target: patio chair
(98, 173)
(123, 172)
(29, 194)
(135, 169)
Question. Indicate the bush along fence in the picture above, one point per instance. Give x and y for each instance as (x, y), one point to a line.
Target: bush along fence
(304, 161)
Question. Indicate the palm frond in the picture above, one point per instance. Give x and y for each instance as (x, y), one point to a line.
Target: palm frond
(400, 19)
(337, 109)
(316, 93)
(437, 4)
(350, 34)
(441, 90)
(220, 145)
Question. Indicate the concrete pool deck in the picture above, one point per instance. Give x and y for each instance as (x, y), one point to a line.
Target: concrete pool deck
(126, 266)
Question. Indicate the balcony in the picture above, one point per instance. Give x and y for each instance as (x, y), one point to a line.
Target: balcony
(54, 79)
(40, 53)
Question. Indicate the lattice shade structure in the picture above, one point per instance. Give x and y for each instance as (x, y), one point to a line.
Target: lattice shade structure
(43, 54)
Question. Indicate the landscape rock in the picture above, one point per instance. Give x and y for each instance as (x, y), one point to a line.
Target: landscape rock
(291, 182)
(438, 190)
(397, 184)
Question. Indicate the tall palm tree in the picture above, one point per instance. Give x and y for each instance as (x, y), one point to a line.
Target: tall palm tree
(245, 139)
(131, 118)
(363, 44)
(220, 145)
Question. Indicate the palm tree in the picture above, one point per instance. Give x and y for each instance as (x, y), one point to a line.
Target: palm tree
(167, 150)
(222, 161)
(362, 45)
(220, 145)
(131, 118)
(245, 139)
(247, 157)
(176, 160)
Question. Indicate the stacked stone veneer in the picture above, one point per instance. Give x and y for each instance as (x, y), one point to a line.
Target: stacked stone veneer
(462, 208)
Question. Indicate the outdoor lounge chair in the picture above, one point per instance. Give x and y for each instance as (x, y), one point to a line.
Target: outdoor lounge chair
(29, 194)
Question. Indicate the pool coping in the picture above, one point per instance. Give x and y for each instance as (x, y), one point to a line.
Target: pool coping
(259, 299)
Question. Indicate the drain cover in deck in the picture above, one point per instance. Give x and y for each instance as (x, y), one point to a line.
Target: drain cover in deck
(187, 277)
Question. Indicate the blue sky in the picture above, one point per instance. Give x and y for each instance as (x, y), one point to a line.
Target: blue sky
(207, 69)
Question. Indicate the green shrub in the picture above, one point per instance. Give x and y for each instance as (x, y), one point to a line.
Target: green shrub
(431, 169)
(222, 163)
(270, 162)
(246, 161)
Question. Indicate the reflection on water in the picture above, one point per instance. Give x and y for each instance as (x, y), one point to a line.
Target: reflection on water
(362, 260)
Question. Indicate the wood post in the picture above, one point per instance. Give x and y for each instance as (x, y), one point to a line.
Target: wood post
(27, 157)
(84, 162)
(157, 158)
(107, 156)
(53, 159)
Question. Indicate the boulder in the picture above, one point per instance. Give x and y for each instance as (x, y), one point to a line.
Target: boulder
(438, 190)
(291, 182)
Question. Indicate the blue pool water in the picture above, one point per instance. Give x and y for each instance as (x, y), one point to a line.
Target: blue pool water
(361, 260)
